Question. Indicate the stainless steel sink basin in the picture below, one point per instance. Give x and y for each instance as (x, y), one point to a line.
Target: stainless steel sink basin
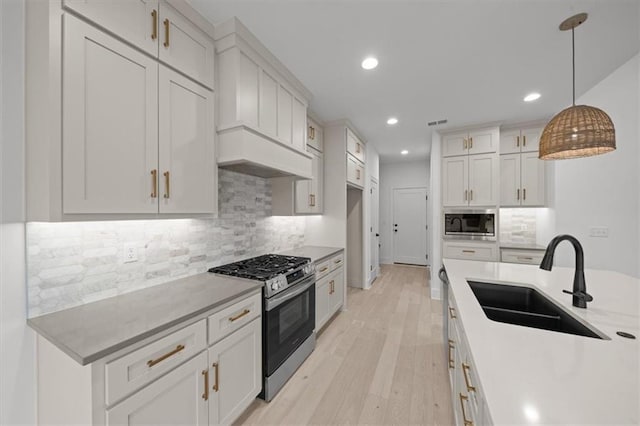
(527, 307)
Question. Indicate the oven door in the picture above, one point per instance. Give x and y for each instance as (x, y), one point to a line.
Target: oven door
(289, 317)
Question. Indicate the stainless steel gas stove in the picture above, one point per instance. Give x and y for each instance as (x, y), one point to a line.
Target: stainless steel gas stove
(288, 320)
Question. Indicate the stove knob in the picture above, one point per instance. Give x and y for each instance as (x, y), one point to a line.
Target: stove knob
(274, 286)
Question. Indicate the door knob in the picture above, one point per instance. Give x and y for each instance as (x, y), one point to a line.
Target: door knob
(377, 235)
(395, 230)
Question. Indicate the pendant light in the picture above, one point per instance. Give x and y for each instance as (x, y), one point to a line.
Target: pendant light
(580, 130)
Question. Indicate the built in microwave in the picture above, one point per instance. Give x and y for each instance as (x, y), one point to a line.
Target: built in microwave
(470, 224)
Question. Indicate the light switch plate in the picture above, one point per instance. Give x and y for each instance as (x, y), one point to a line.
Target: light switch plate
(599, 231)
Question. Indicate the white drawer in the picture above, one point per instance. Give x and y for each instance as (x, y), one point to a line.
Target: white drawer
(471, 251)
(231, 318)
(531, 257)
(323, 268)
(336, 261)
(134, 370)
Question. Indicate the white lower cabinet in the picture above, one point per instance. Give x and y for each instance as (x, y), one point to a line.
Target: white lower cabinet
(177, 398)
(329, 288)
(236, 369)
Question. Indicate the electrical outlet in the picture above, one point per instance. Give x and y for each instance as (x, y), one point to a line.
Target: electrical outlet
(599, 231)
(130, 253)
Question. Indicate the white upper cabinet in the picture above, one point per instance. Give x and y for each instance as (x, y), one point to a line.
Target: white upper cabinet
(532, 176)
(455, 178)
(510, 190)
(187, 168)
(156, 28)
(355, 147)
(515, 141)
(483, 179)
(479, 141)
(315, 135)
(110, 124)
(309, 193)
(262, 108)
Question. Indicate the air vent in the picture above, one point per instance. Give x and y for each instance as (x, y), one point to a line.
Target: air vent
(435, 123)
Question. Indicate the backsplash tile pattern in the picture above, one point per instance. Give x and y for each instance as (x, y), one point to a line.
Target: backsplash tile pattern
(69, 264)
(518, 226)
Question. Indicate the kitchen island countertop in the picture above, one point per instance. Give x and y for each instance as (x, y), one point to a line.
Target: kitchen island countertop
(533, 376)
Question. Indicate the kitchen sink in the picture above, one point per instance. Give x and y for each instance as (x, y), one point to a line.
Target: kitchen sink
(526, 307)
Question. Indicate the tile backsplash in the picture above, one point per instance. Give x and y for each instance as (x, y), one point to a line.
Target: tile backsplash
(69, 264)
(518, 226)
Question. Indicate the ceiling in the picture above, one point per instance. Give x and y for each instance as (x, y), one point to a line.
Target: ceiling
(467, 61)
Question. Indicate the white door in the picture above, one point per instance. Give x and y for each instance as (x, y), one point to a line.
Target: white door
(110, 123)
(374, 231)
(187, 159)
(179, 398)
(236, 366)
(410, 226)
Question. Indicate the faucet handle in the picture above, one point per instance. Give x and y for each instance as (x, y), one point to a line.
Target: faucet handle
(581, 294)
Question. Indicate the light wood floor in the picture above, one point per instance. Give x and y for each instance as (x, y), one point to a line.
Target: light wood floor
(380, 362)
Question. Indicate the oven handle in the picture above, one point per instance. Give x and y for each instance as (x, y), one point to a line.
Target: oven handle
(276, 301)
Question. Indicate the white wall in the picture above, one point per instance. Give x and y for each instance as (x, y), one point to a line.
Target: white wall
(406, 174)
(17, 341)
(604, 190)
(434, 208)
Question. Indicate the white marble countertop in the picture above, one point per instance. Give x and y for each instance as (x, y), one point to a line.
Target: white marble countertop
(316, 253)
(92, 331)
(533, 376)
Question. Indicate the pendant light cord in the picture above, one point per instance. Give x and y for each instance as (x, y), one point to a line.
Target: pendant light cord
(573, 63)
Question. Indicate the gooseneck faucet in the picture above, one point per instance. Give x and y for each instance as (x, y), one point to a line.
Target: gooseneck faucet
(580, 295)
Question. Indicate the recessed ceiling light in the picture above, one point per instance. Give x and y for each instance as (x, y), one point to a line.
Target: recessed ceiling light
(392, 121)
(404, 152)
(532, 97)
(369, 63)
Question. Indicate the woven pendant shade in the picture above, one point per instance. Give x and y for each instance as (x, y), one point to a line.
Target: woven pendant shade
(578, 131)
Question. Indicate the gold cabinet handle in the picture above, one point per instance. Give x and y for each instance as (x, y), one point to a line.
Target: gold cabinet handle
(524, 193)
(357, 147)
(240, 315)
(452, 363)
(464, 143)
(465, 195)
(324, 269)
(468, 251)
(471, 195)
(154, 24)
(470, 142)
(467, 381)
(331, 283)
(337, 261)
(524, 141)
(166, 184)
(205, 395)
(216, 377)
(154, 183)
(464, 414)
(153, 362)
(524, 258)
(167, 24)
(517, 141)
(452, 312)
(518, 194)
(358, 174)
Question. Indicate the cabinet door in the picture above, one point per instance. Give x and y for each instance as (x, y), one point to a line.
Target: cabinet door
(309, 192)
(483, 180)
(247, 86)
(531, 139)
(454, 144)
(304, 201)
(454, 181)
(299, 125)
(285, 114)
(185, 47)
(533, 182)
(510, 191)
(355, 175)
(314, 135)
(236, 373)
(354, 146)
(110, 123)
(132, 20)
(322, 301)
(186, 146)
(483, 141)
(317, 184)
(336, 295)
(177, 398)
(510, 142)
(268, 104)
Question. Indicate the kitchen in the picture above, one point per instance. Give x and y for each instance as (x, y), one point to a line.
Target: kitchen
(179, 248)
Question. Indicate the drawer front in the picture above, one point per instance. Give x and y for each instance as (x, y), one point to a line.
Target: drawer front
(134, 370)
(470, 252)
(231, 318)
(336, 261)
(530, 257)
(323, 268)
